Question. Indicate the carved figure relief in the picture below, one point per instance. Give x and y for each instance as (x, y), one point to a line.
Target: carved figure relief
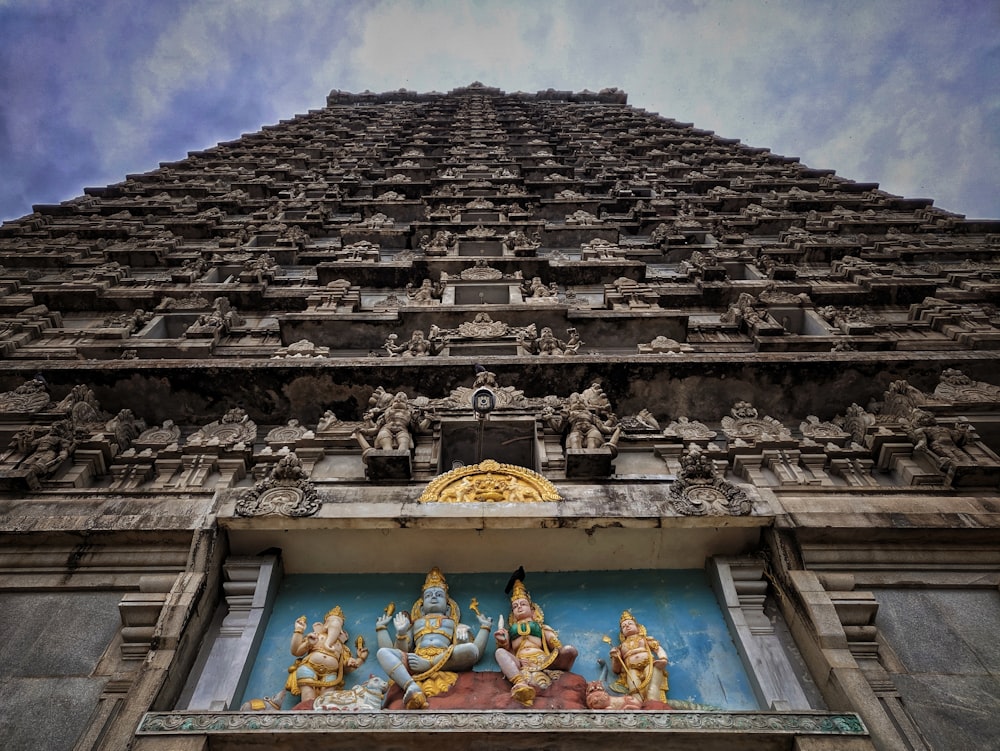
(700, 490)
(432, 644)
(744, 424)
(490, 482)
(324, 657)
(529, 652)
(286, 491)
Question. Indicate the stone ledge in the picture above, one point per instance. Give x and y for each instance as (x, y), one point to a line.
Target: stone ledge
(279, 723)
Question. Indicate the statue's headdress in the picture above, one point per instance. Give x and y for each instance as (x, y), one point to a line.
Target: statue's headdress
(516, 589)
(336, 611)
(435, 579)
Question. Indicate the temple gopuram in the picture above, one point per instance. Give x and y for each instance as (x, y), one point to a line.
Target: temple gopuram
(500, 420)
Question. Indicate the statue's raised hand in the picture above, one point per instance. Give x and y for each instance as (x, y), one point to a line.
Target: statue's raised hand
(402, 623)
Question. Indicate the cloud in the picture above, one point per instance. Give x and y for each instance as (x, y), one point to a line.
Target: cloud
(897, 92)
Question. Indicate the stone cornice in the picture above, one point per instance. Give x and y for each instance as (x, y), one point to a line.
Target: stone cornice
(701, 723)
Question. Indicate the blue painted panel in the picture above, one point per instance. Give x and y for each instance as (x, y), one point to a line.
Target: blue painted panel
(677, 607)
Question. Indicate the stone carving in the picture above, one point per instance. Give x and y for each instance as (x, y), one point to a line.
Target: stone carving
(734, 725)
(490, 482)
(536, 290)
(416, 346)
(643, 422)
(363, 250)
(427, 293)
(583, 218)
(221, 319)
(186, 303)
(323, 656)
(431, 645)
(826, 432)
(591, 428)
(481, 272)
(945, 444)
(44, 451)
(639, 661)
(663, 345)
(285, 491)
(124, 428)
(483, 327)
(517, 243)
(900, 400)
(548, 344)
(955, 386)
(31, 396)
(479, 232)
(235, 431)
(689, 430)
(443, 243)
(159, 436)
(389, 421)
(259, 268)
(700, 490)
(131, 322)
(267, 704)
(600, 249)
(744, 424)
(366, 697)
(529, 652)
(303, 348)
(743, 311)
(288, 434)
(856, 421)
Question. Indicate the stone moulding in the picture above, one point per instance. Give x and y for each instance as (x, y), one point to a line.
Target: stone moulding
(757, 723)
(490, 482)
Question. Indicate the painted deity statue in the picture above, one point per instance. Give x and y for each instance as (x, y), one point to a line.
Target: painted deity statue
(639, 662)
(323, 656)
(529, 652)
(431, 645)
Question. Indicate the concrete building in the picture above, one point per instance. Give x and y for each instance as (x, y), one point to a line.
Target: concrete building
(754, 404)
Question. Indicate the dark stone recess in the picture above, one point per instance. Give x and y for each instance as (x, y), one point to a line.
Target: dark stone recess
(783, 386)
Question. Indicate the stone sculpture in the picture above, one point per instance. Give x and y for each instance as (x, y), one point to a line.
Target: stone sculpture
(367, 696)
(323, 656)
(431, 643)
(529, 652)
(390, 422)
(639, 662)
(548, 344)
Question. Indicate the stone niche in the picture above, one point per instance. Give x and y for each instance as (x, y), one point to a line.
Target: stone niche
(465, 442)
(723, 656)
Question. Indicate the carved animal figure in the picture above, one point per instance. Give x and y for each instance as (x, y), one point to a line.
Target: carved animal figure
(267, 704)
(599, 698)
(366, 696)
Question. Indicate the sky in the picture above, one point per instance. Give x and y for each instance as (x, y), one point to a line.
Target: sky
(905, 93)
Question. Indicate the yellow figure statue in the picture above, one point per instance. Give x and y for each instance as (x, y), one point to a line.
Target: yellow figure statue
(324, 657)
(529, 652)
(639, 662)
(431, 644)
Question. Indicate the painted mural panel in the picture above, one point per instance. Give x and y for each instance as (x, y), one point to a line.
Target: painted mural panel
(677, 607)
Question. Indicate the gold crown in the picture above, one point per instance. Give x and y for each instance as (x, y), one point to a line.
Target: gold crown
(626, 616)
(519, 592)
(435, 579)
(336, 611)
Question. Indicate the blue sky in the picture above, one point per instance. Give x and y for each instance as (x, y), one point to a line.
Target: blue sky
(905, 93)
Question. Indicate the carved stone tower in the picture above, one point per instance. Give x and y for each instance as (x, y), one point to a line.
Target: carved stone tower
(676, 379)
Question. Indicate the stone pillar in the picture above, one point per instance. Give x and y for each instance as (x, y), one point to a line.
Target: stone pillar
(741, 588)
(249, 589)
